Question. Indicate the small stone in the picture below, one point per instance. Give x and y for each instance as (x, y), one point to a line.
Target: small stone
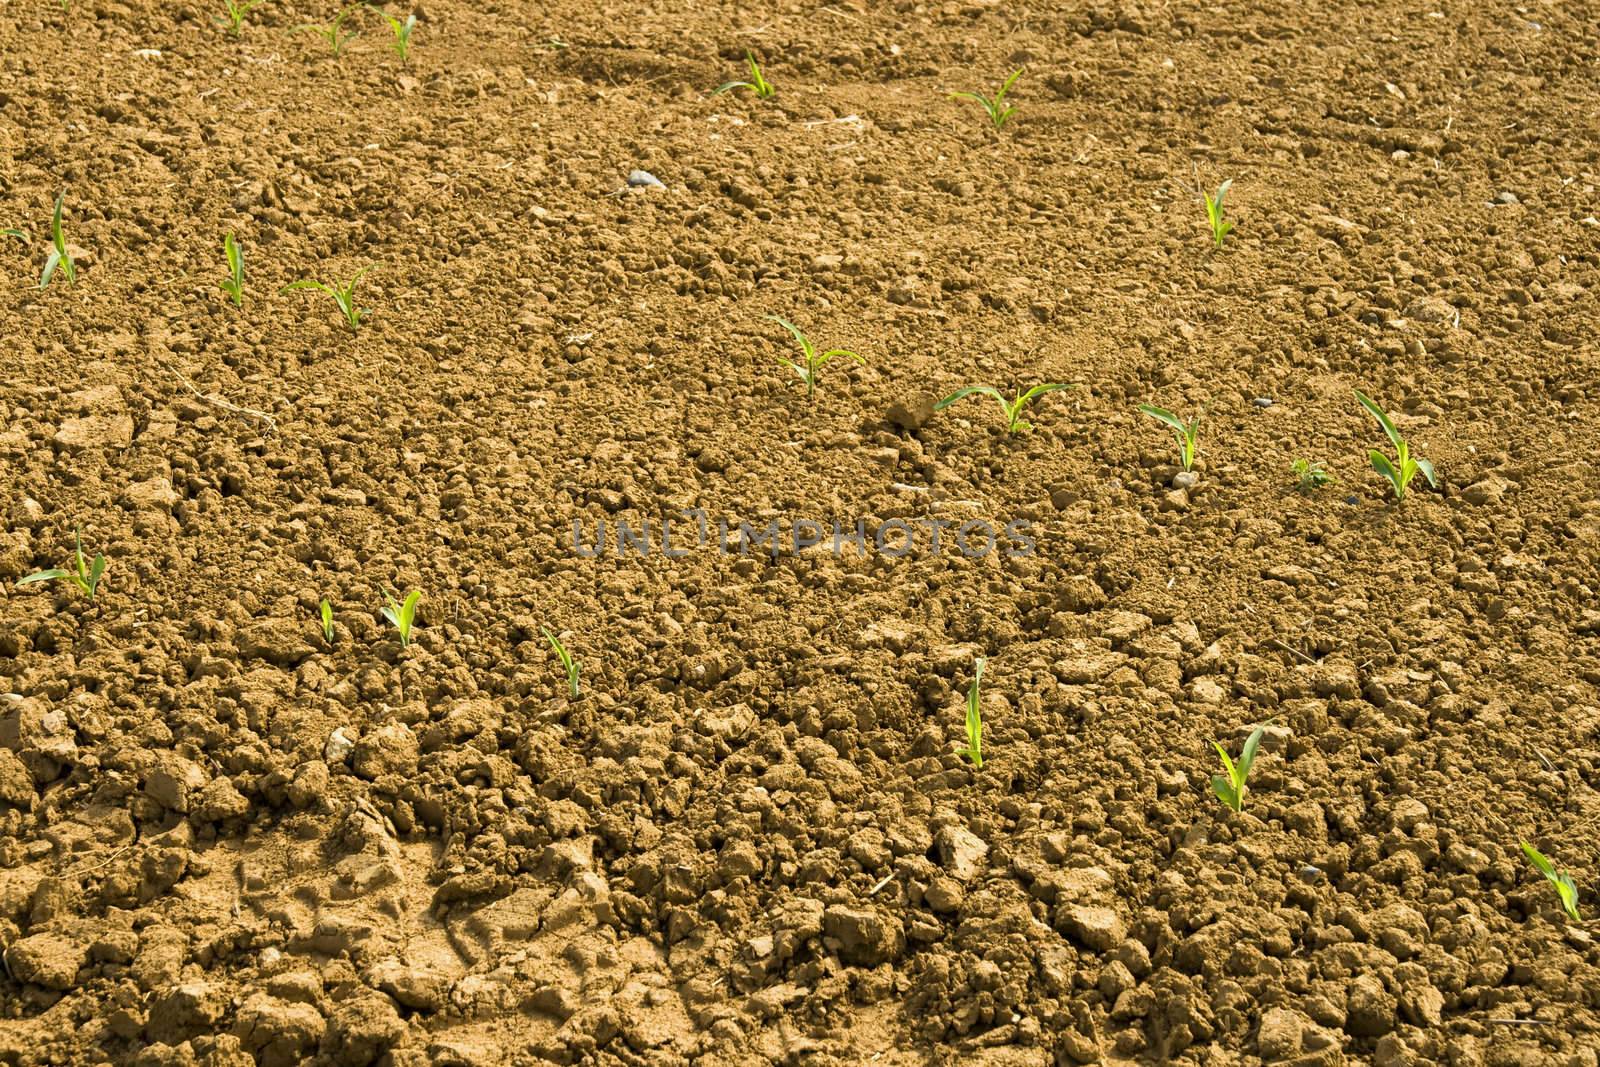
(963, 853)
(339, 746)
(1506, 196)
(1185, 480)
(643, 179)
(1175, 500)
(1262, 401)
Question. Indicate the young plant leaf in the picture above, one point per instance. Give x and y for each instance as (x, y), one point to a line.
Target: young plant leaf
(974, 749)
(568, 664)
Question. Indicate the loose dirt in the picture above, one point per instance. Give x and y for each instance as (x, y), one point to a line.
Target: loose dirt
(750, 838)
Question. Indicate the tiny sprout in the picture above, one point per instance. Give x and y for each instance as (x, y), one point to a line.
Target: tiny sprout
(996, 107)
(84, 575)
(1404, 467)
(343, 295)
(567, 662)
(1013, 407)
(333, 32)
(402, 32)
(813, 361)
(236, 12)
(1565, 887)
(974, 749)
(401, 616)
(234, 285)
(21, 235)
(1231, 789)
(59, 256)
(1220, 227)
(1310, 474)
(325, 609)
(1188, 432)
(757, 84)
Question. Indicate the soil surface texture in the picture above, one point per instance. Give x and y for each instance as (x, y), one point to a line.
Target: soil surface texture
(751, 834)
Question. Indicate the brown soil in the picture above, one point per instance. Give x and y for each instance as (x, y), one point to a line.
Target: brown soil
(751, 839)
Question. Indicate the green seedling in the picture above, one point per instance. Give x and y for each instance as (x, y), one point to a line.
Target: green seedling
(402, 32)
(59, 257)
(343, 295)
(1013, 407)
(236, 11)
(1565, 887)
(234, 286)
(995, 106)
(334, 32)
(757, 84)
(325, 609)
(21, 235)
(401, 616)
(1220, 227)
(84, 574)
(1400, 470)
(974, 749)
(1310, 475)
(812, 360)
(567, 662)
(1231, 789)
(1188, 432)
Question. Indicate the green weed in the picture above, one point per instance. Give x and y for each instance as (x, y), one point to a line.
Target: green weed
(1012, 408)
(401, 616)
(757, 84)
(234, 286)
(84, 574)
(59, 256)
(995, 106)
(974, 749)
(1565, 887)
(402, 32)
(1220, 227)
(1404, 467)
(1310, 475)
(236, 11)
(1230, 789)
(567, 662)
(333, 32)
(21, 235)
(343, 295)
(812, 360)
(1188, 432)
